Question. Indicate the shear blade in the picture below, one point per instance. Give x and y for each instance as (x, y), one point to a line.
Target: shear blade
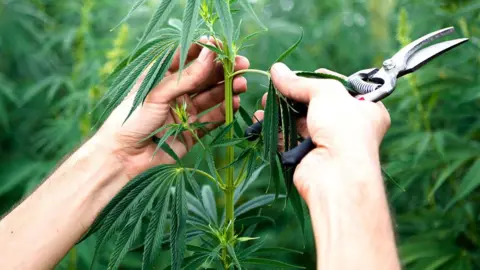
(423, 56)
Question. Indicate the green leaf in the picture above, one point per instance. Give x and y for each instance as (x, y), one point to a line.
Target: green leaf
(316, 75)
(211, 163)
(208, 200)
(297, 206)
(446, 173)
(248, 38)
(160, 16)
(233, 255)
(256, 202)
(422, 147)
(239, 191)
(119, 215)
(268, 263)
(120, 87)
(276, 174)
(247, 7)
(192, 182)
(124, 198)
(131, 230)
(196, 207)
(243, 155)
(228, 142)
(164, 138)
(222, 133)
(245, 222)
(415, 250)
(158, 70)
(192, 262)
(290, 50)
(167, 149)
(245, 116)
(247, 252)
(469, 183)
(189, 23)
(211, 48)
(134, 7)
(164, 61)
(438, 263)
(223, 11)
(275, 250)
(289, 131)
(198, 249)
(155, 230)
(246, 239)
(236, 35)
(119, 71)
(179, 220)
(270, 130)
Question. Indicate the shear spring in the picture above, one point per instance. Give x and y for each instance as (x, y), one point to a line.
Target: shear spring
(363, 87)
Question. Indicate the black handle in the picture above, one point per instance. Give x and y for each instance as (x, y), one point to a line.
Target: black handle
(253, 132)
(293, 157)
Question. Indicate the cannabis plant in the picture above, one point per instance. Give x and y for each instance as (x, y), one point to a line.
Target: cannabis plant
(157, 205)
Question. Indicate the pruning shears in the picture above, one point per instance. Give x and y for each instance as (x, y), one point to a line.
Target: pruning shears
(374, 84)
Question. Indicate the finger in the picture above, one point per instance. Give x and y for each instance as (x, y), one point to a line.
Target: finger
(217, 116)
(329, 72)
(192, 54)
(303, 89)
(218, 43)
(264, 100)
(192, 79)
(258, 116)
(302, 128)
(212, 97)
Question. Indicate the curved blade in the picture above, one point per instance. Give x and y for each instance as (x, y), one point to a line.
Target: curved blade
(423, 56)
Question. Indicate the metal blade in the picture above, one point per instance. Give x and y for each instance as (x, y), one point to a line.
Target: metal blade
(406, 52)
(423, 56)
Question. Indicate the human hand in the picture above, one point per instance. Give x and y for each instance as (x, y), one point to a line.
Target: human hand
(203, 79)
(345, 130)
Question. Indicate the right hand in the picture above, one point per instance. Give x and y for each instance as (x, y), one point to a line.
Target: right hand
(346, 131)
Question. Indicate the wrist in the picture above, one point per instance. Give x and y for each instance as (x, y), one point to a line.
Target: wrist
(100, 175)
(324, 173)
(349, 211)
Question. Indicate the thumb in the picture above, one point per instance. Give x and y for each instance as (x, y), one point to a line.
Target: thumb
(290, 85)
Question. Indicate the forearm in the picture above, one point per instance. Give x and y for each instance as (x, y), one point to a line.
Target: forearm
(43, 228)
(350, 215)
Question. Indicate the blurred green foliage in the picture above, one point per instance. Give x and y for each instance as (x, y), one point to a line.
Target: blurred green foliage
(54, 55)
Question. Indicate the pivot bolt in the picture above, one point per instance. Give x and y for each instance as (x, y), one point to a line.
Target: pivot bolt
(388, 64)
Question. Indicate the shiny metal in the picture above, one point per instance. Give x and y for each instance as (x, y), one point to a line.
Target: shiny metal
(407, 60)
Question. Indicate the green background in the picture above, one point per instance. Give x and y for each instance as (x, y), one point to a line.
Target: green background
(54, 54)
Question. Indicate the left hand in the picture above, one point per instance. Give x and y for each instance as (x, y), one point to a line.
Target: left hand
(203, 77)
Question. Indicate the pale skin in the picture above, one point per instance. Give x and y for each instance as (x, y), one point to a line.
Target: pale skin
(346, 196)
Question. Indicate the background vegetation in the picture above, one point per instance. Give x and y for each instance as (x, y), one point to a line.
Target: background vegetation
(54, 55)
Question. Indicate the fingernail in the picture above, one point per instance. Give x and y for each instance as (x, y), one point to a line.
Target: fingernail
(280, 69)
(205, 53)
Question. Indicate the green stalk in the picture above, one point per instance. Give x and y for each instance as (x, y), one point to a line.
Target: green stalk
(230, 181)
(229, 190)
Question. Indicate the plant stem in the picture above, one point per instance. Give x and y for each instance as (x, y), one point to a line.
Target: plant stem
(230, 181)
(258, 71)
(210, 177)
